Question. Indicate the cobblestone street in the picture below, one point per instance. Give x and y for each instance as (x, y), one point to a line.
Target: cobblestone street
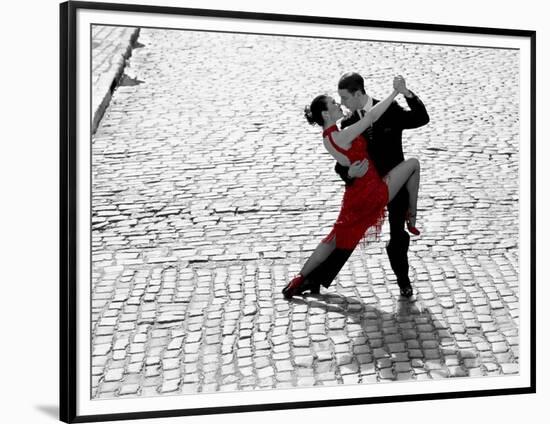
(210, 190)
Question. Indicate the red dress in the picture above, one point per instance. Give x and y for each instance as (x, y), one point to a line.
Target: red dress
(363, 206)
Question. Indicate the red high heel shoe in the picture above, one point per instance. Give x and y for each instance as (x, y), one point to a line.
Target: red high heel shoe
(412, 229)
(293, 287)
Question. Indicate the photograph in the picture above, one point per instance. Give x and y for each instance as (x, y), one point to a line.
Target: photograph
(271, 211)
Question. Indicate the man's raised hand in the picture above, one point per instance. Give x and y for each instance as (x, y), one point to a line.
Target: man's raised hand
(400, 85)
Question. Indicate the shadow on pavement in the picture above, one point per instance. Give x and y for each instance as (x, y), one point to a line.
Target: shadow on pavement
(406, 344)
(127, 81)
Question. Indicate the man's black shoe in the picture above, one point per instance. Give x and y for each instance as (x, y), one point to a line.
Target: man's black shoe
(405, 288)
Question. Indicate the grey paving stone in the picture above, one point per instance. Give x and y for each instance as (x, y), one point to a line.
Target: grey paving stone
(305, 382)
(100, 350)
(114, 375)
(387, 374)
(499, 347)
(169, 386)
(303, 361)
(510, 368)
(439, 373)
(265, 372)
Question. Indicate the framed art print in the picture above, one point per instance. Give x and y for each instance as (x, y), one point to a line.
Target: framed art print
(213, 260)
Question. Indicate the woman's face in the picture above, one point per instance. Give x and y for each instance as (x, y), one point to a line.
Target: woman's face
(334, 109)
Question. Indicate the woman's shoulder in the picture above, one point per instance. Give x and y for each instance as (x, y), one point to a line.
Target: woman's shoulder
(330, 130)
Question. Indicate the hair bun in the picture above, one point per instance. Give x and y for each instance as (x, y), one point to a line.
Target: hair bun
(309, 114)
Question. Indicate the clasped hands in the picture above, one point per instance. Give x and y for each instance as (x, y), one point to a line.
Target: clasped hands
(400, 85)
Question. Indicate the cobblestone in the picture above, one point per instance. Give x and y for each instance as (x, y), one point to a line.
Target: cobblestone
(205, 204)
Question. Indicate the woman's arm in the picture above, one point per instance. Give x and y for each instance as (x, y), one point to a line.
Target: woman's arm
(344, 137)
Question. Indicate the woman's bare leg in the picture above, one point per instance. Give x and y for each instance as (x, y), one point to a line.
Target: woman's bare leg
(406, 173)
(320, 254)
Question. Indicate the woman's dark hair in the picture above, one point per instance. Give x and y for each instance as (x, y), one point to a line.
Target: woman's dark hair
(352, 82)
(313, 111)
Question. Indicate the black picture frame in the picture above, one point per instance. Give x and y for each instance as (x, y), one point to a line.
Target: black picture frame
(69, 144)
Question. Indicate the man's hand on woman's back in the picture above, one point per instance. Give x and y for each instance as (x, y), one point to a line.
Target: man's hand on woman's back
(358, 168)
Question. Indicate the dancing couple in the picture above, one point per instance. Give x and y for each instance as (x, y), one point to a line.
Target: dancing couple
(369, 154)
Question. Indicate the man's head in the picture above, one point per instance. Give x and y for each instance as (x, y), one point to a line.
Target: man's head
(351, 89)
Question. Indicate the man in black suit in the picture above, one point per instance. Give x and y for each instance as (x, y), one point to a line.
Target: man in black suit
(385, 149)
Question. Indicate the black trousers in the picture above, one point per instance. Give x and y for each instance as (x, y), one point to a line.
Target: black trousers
(398, 245)
(396, 249)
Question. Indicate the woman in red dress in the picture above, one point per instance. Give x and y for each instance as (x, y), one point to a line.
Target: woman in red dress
(363, 206)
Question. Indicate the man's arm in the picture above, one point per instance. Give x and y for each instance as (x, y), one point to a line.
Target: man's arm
(342, 171)
(416, 117)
